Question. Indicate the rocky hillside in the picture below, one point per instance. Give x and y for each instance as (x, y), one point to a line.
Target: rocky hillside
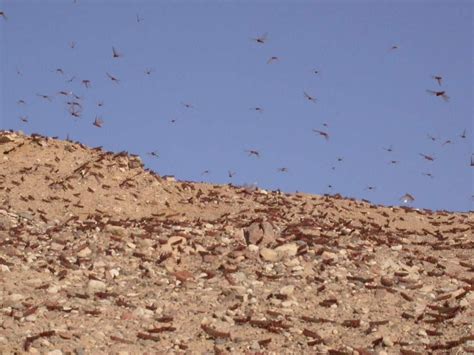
(99, 255)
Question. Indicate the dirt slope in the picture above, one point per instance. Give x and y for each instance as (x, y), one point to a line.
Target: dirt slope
(98, 255)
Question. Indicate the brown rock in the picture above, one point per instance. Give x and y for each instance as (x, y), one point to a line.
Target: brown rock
(259, 233)
(387, 281)
(183, 275)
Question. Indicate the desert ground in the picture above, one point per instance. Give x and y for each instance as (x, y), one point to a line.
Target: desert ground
(101, 256)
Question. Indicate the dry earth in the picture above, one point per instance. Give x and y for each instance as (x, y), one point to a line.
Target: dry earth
(99, 255)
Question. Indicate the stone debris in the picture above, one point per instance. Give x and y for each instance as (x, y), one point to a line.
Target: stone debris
(98, 255)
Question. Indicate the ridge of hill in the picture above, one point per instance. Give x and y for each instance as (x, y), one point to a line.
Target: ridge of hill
(99, 255)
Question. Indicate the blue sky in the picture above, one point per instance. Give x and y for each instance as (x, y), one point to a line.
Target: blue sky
(202, 53)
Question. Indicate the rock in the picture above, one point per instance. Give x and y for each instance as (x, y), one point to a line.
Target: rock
(387, 342)
(240, 290)
(31, 318)
(55, 352)
(183, 275)
(386, 281)
(239, 276)
(327, 255)
(96, 286)
(116, 230)
(292, 262)
(56, 246)
(287, 250)
(269, 255)
(464, 303)
(282, 252)
(84, 253)
(113, 273)
(4, 268)
(237, 235)
(53, 289)
(26, 215)
(255, 345)
(99, 264)
(144, 244)
(422, 333)
(275, 301)
(346, 231)
(253, 248)
(288, 304)
(287, 290)
(397, 247)
(259, 233)
(141, 312)
(15, 297)
(253, 234)
(268, 229)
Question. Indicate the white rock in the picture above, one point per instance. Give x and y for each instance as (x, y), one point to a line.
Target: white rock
(99, 264)
(327, 255)
(56, 246)
(114, 273)
(287, 290)
(464, 303)
(387, 342)
(292, 262)
(84, 253)
(144, 313)
(253, 248)
(15, 297)
(31, 318)
(287, 250)
(96, 286)
(422, 333)
(269, 254)
(53, 289)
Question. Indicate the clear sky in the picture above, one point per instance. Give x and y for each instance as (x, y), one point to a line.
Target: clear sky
(369, 96)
